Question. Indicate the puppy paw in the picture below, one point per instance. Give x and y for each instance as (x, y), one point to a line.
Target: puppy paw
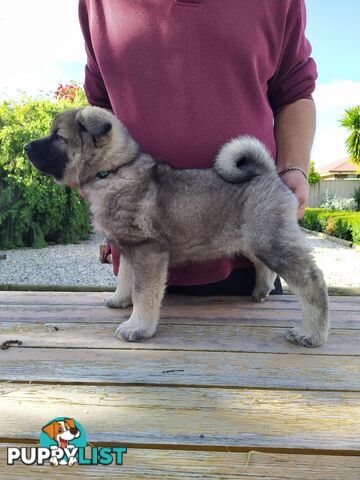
(54, 461)
(307, 339)
(259, 294)
(115, 301)
(134, 330)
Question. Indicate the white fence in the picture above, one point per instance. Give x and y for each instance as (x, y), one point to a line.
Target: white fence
(340, 188)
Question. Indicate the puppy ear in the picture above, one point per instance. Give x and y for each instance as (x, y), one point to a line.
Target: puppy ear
(94, 121)
(70, 422)
(50, 430)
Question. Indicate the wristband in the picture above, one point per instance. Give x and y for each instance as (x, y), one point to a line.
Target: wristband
(290, 169)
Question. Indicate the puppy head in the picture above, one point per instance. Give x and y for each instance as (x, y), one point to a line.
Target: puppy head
(82, 142)
(62, 431)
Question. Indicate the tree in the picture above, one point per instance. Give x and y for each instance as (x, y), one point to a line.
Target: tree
(351, 121)
(71, 92)
(313, 175)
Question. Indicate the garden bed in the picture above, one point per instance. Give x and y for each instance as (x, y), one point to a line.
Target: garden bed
(336, 223)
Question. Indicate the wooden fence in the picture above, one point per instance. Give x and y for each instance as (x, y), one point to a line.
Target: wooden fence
(340, 188)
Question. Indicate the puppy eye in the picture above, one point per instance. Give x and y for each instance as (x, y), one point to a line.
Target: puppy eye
(61, 430)
(102, 174)
(67, 427)
(58, 136)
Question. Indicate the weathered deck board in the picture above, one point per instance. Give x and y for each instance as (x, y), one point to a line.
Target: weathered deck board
(179, 416)
(167, 367)
(183, 315)
(227, 338)
(171, 465)
(97, 298)
(217, 381)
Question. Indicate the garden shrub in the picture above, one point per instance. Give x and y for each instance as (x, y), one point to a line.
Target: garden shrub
(333, 202)
(313, 176)
(345, 225)
(357, 198)
(316, 218)
(330, 228)
(34, 210)
(348, 227)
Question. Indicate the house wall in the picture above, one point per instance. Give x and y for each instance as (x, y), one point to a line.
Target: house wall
(340, 188)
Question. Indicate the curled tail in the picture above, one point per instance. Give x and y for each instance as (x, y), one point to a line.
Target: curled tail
(242, 159)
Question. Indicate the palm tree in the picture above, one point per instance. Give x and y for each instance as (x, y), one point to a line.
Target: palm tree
(351, 121)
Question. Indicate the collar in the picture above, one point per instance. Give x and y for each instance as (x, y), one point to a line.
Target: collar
(105, 173)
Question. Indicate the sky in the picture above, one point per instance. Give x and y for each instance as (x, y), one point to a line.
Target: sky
(41, 46)
(333, 31)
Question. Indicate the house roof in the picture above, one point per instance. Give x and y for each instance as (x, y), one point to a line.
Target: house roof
(340, 166)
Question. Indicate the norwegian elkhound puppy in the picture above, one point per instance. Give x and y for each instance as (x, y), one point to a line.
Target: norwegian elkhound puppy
(158, 215)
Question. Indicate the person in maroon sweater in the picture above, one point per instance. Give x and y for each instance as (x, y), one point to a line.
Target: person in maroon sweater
(186, 76)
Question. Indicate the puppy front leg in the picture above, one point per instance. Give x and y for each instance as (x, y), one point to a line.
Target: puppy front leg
(150, 272)
(125, 279)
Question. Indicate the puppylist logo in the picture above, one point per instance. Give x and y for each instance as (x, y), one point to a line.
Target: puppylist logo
(63, 442)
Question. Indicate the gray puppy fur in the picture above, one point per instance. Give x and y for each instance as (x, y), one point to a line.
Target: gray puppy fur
(160, 216)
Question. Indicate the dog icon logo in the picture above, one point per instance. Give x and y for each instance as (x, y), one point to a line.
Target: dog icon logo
(63, 436)
(63, 442)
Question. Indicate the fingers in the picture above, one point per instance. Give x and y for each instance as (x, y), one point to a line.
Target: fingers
(301, 211)
(300, 187)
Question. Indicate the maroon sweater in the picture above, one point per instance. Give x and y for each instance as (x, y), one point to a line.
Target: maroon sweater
(186, 76)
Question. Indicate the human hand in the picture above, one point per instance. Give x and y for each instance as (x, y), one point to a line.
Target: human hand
(298, 184)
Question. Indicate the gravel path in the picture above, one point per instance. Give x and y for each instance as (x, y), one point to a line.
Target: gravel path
(75, 264)
(79, 265)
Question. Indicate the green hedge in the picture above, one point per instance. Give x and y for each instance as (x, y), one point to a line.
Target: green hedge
(340, 224)
(34, 210)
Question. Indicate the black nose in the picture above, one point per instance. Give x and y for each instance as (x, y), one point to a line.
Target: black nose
(74, 431)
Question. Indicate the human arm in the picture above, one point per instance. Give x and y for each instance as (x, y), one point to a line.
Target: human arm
(294, 127)
(94, 84)
(290, 97)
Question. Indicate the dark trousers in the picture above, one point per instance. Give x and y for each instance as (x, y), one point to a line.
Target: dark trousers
(240, 282)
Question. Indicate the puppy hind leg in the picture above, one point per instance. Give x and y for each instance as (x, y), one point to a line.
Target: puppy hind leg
(312, 292)
(297, 267)
(265, 279)
(125, 279)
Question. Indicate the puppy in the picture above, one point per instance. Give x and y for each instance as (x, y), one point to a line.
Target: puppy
(160, 216)
(62, 432)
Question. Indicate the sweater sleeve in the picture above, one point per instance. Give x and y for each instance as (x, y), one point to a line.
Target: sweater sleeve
(94, 85)
(296, 72)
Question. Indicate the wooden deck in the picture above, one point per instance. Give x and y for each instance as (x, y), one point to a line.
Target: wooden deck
(218, 393)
